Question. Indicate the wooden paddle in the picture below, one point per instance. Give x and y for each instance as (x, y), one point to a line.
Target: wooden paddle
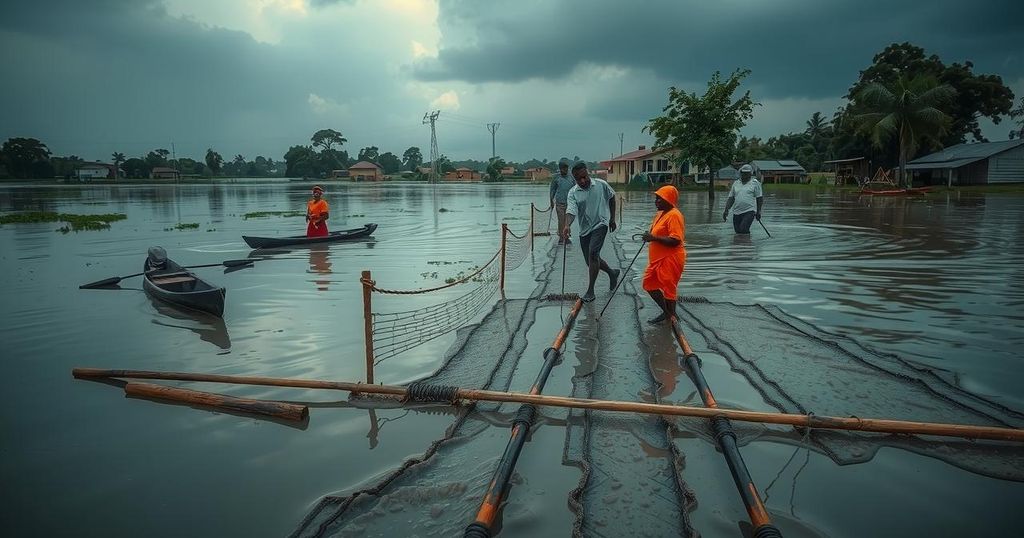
(115, 279)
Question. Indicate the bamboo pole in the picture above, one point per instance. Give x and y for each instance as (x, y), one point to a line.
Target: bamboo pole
(281, 410)
(875, 425)
(504, 232)
(368, 324)
(531, 226)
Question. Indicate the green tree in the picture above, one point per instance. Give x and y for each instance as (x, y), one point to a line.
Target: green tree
(136, 168)
(214, 161)
(976, 95)
(908, 109)
(494, 167)
(118, 158)
(412, 158)
(157, 158)
(26, 158)
(370, 154)
(301, 162)
(703, 129)
(325, 139)
(389, 162)
(816, 126)
(1018, 115)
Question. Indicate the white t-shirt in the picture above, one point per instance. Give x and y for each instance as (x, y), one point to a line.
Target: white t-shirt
(745, 196)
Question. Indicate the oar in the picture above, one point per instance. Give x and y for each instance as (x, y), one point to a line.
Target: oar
(115, 279)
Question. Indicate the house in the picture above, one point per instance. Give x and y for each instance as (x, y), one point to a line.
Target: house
(163, 172)
(779, 172)
(600, 173)
(508, 171)
(853, 170)
(365, 171)
(339, 174)
(537, 173)
(463, 174)
(972, 164)
(96, 170)
(658, 164)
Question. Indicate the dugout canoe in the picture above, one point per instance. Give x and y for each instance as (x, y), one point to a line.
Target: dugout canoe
(896, 192)
(341, 235)
(180, 287)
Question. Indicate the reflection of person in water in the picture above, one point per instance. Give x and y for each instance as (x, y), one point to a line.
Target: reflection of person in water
(320, 262)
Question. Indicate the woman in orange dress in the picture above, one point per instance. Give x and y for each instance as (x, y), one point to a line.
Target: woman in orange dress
(667, 253)
(316, 214)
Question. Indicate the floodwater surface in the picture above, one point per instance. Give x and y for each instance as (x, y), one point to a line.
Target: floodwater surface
(937, 281)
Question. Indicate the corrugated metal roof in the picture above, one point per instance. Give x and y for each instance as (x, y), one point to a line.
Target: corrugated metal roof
(728, 172)
(942, 165)
(968, 152)
(778, 166)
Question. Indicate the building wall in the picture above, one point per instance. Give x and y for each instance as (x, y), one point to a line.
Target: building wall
(1007, 167)
(623, 171)
(975, 173)
(537, 174)
(365, 174)
(93, 173)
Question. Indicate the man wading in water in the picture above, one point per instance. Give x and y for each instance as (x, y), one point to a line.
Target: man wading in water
(560, 185)
(745, 199)
(592, 201)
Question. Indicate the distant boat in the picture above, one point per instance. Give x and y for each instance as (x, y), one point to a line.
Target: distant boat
(897, 192)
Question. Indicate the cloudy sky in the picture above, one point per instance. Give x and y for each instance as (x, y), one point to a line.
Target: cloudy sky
(253, 77)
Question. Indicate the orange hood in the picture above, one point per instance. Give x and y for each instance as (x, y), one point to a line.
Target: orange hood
(669, 194)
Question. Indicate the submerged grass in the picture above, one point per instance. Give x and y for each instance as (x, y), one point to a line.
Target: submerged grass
(264, 214)
(75, 222)
(184, 226)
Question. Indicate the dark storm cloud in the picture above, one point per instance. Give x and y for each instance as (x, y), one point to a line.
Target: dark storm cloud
(796, 48)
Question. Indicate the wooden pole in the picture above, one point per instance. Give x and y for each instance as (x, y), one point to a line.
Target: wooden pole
(504, 232)
(281, 410)
(805, 421)
(368, 324)
(531, 226)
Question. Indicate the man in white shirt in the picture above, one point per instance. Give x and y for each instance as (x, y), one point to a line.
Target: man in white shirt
(560, 185)
(745, 200)
(592, 201)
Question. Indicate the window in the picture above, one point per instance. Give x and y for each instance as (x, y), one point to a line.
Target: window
(648, 165)
(686, 168)
(663, 165)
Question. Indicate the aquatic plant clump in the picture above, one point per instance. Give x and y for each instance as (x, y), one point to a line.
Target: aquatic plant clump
(75, 222)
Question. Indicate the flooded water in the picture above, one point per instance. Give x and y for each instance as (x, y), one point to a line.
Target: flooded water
(937, 281)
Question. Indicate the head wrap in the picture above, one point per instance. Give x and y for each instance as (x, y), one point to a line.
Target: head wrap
(669, 194)
(318, 188)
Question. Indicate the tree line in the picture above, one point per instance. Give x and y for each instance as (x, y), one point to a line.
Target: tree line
(905, 104)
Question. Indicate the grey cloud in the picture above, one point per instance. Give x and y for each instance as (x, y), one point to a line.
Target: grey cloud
(794, 47)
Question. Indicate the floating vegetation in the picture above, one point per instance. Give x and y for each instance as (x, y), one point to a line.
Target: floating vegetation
(183, 226)
(75, 222)
(462, 274)
(359, 215)
(264, 214)
(443, 210)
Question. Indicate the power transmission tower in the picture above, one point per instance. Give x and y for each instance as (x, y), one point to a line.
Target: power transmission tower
(431, 118)
(493, 128)
(620, 143)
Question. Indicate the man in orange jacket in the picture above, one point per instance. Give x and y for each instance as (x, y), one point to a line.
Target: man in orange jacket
(316, 214)
(667, 254)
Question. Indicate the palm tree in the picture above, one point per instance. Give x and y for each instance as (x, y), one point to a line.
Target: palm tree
(118, 158)
(816, 125)
(906, 108)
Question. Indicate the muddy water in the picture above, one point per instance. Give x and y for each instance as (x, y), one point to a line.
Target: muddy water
(936, 280)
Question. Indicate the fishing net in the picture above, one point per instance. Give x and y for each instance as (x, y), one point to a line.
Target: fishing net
(396, 332)
(544, 222)
(799, 368)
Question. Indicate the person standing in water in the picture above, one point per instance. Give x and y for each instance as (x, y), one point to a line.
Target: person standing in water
(560, 185)
(745, 200)
(592, 201)
(666, 254)
(317, 214)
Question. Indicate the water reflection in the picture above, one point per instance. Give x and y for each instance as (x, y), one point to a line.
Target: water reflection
(210, 329)
(320, 263)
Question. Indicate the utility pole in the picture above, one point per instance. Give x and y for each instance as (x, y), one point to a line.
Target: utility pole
(620, 143)
(431, 118)
(493, 128)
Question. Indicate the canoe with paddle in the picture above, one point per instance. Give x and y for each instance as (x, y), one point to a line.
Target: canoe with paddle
(167, 281)
(341, 235)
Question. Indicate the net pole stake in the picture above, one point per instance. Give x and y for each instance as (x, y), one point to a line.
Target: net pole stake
(368, 324)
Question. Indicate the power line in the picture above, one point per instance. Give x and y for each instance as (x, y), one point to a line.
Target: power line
(431, 117)
(493, 128)
(620, 143)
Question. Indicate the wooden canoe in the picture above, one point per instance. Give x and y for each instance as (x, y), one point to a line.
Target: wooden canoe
(896, 192)
(180, 287)
(341, 235)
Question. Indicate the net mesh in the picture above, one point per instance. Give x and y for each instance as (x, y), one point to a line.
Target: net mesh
(397, 332)
(543, 220)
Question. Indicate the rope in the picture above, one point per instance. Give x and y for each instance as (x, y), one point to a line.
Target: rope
(373, 284)
(421, 391)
